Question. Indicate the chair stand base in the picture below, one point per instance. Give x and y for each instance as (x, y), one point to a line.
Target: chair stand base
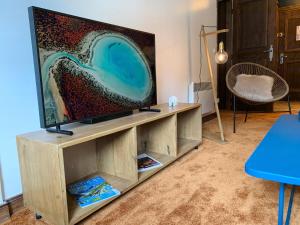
(247, 111)
(234, 112)
(246, 116)
(289, 105)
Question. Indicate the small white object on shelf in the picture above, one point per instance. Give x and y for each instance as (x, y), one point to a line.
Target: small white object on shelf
(172, 101)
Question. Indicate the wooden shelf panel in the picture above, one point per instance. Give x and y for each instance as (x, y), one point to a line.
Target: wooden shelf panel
(185, 145)
(164, 159)
(189, 124)
(76, 213)
(84, 132)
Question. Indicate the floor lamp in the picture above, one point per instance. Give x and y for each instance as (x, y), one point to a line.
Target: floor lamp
(221, 57)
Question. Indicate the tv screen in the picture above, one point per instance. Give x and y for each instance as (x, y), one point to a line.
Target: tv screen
(88, 69)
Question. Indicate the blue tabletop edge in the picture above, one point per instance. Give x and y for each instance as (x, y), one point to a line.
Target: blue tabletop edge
(267, 175)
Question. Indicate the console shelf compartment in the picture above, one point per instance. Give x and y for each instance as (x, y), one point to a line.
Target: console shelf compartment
(76, 213)
(111, 157)
(49, 162)
(164, 159)
(188, 133)
(185, 145)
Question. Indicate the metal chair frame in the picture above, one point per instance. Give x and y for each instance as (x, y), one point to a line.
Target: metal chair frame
(280, 87)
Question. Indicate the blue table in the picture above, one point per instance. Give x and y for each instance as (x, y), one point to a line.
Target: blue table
(277, 158)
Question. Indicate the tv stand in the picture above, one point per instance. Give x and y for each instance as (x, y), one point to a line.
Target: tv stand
(49, 162)
(59, 131)
(148, 109)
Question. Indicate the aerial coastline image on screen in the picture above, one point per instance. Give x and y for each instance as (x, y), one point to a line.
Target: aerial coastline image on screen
(89, 68)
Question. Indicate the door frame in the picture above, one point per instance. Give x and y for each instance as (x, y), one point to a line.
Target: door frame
(282, 49)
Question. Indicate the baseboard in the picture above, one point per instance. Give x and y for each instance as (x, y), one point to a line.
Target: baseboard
(15, 204)
(11, 206)
(208, 117)
(4, 213)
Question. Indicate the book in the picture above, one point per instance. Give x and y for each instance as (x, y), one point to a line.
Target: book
(86, 186)
(146, 162)
(91, 191)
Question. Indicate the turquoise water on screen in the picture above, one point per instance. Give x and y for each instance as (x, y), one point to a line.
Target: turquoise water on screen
(115, 62)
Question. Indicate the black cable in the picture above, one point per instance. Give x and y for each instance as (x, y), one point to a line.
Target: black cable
(200, 72)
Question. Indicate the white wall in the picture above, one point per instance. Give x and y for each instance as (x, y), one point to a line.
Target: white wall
(202, 12)
(176, 56)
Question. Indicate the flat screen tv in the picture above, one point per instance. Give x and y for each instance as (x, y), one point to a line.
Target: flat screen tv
(87, 69)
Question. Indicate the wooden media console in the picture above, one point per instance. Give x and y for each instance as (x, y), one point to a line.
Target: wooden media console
(49, 162)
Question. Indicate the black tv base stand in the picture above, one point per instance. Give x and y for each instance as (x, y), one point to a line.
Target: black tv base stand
(148, 109)
(59, 131)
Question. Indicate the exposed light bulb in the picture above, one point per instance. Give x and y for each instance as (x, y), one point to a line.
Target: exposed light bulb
(221, 56)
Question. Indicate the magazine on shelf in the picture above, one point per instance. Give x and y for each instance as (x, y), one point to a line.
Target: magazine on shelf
(91, 191)
(146, 162)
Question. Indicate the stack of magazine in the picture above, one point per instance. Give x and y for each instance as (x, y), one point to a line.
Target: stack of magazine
(146, 162)
(91, 191)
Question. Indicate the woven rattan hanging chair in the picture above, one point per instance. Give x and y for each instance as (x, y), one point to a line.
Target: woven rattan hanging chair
(280, 87)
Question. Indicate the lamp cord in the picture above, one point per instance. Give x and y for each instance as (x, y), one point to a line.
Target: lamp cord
(200, 72)
(201, 56)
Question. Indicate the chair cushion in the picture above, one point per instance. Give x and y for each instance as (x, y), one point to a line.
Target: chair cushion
(256, 88)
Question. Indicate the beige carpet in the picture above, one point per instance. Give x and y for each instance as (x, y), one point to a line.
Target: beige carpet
(207, 186)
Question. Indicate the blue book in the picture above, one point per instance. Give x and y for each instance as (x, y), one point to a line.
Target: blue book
(91, 191)
(86, 186)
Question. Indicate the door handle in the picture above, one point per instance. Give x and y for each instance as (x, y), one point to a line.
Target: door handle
(270, 51)
(281, 58)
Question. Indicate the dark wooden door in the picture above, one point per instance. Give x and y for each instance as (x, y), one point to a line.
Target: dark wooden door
(254, 35)
(224, 21)
(255, 31)
(289, 48)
